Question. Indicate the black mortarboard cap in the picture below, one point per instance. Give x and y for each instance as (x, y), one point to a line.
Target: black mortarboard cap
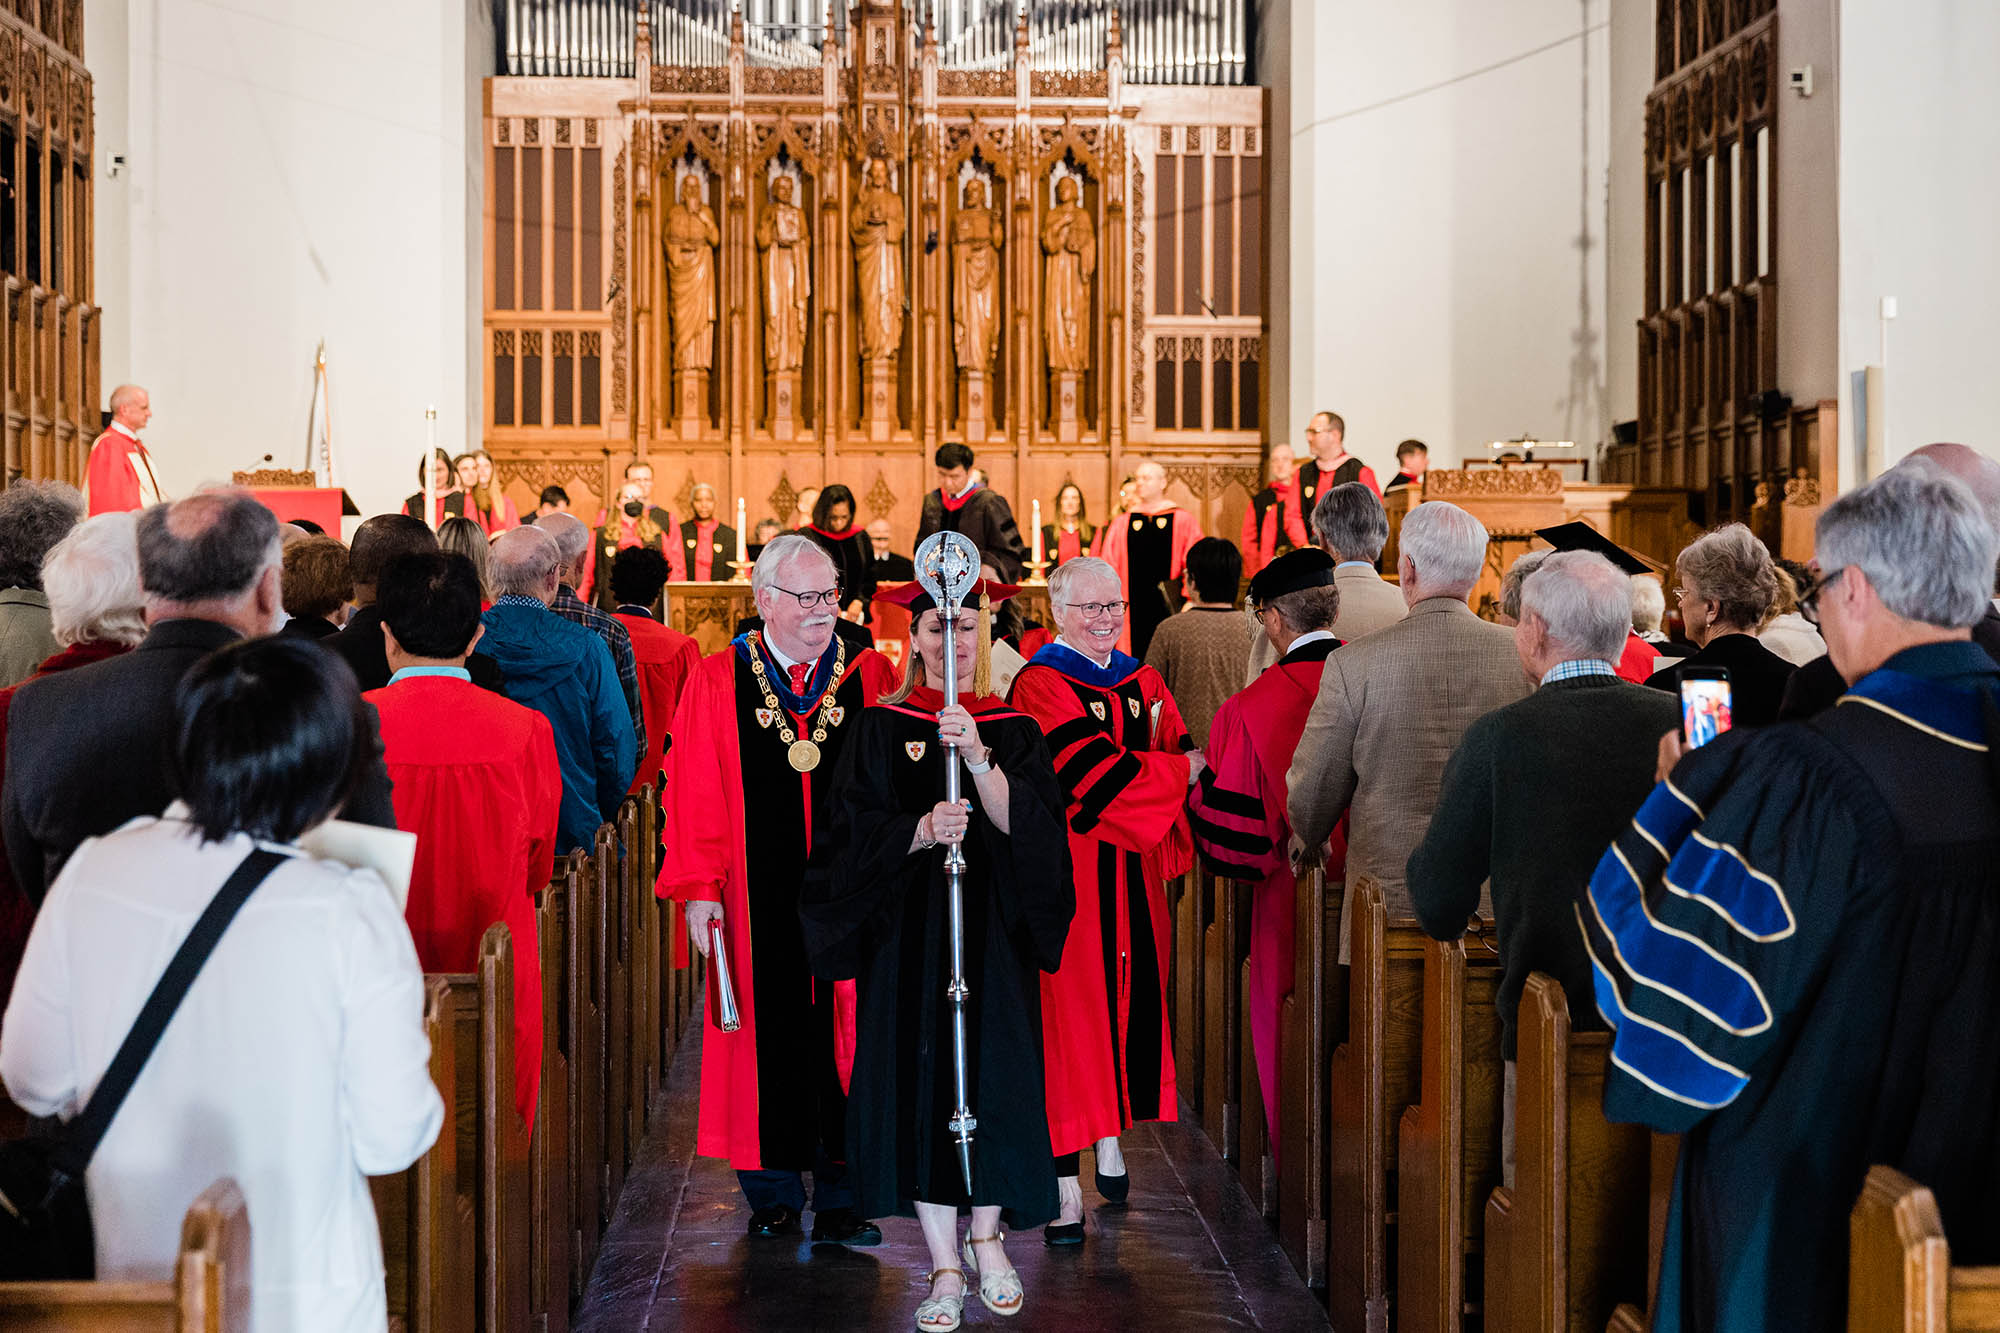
(1308, 567)
(1580, 536)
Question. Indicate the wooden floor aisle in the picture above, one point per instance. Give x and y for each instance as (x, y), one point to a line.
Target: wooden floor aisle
(1188, 1251)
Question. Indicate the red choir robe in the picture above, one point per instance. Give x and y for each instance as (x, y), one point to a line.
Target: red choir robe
(1111, 542)
(1309, 483)
(1635, 662)
(728, 758)
(1119, 750)
(496, 520)
(446, 504)
(665, 657)
(1236, 811)
(1271, 524)
(120, 475)
(705, 544)
(611, 539)
(475, 778)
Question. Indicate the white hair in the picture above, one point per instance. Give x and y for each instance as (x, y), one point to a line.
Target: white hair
(91, 578)
(1070, 571)
(522, 560)
(781, 550)
(1350, 524)
(1446, 545)
(1922, 538)
(1649, 603)
(572, 538)
(1583, 600)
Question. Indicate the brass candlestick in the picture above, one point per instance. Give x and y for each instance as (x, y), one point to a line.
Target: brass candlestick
(740, 570)
(1037, 574)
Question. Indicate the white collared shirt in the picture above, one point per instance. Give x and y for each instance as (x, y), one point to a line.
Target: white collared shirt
(126, 431)
(1104, 662)
(1310, 636)
(1368, 565)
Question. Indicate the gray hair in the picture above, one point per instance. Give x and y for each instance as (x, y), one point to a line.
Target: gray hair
(780, 550)
(34, 516)
(1349, 523)
(1922, 538)
(1585, 602)
(572, 538)
(1517, 574)
(1649, 603)
(1070, 571)
(1733, 569)
(523, 559)
(214, 544)
(1308, 609)
(92, 581)
(1446, 546)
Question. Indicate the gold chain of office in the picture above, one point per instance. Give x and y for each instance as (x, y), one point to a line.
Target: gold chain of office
(802, 755)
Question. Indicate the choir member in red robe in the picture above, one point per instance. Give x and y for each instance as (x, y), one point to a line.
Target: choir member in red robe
(1148, 547)
(1122, 759)
(485, 503)
(1237, 810)
(476, 779)
(1071, 535)
(1272, 524)
(758, 737)
(707, 543)
(665, 656)
(876, 909)
(120, 472)
(447, 501)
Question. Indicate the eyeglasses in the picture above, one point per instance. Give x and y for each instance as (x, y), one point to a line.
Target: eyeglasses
(1809, 604)
(829, 597)
(1096, 609)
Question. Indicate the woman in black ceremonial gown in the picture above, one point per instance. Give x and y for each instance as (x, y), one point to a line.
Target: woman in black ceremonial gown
(875, 908)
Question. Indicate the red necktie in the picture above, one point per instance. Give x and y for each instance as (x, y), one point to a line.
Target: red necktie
(801, 672)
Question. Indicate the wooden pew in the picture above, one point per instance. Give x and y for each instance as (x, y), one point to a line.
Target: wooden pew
(1221, 1003)
(552, 1229)
(583, 942)
(1664, 1159)
(208, 1293)
(1373, 1077)
(1900, 1277)
(1313, 1018)
(615, 1013)
(1185, 906)
(659, 1041)
(429, 1214)
(1253, 1141)
(504, 1178)
(1448, 1143)
(1566, 1243)
(634, 891)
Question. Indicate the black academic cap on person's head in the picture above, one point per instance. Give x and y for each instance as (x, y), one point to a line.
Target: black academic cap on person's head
(1580, 536)
(1294, 571)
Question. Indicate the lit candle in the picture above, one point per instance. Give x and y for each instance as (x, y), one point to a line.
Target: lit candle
(742, 540)
(430, 467)
(1036, 520)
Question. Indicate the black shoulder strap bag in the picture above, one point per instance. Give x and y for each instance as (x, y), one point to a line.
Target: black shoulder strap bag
(45, 1232)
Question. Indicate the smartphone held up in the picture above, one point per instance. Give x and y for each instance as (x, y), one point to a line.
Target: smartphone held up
(1705, 707)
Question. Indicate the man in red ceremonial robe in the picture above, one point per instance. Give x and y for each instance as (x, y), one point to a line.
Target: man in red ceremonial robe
(1237, 810)
(665, 655)
(707, 543)
(120, 475)
(476, 779)
(1123, 762)
(1148, 547)
(635, 521)
(1272, 523)
(758, 737)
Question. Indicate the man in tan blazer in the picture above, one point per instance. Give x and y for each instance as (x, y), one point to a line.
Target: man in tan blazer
(1350, 525)
(1393, 705)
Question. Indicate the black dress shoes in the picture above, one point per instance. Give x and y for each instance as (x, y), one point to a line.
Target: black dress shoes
(1063, 1233)
(1113, 1189)
(777, 1220)
(843, 1226)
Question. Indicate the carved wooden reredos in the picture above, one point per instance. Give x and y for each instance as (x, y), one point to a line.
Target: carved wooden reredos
(585, 366)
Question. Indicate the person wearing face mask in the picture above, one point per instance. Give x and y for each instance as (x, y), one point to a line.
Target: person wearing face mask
(874, 909)
(1124, 763)
(88, 749)
(633, 521)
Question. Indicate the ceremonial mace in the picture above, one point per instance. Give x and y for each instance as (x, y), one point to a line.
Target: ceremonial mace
(947, 565)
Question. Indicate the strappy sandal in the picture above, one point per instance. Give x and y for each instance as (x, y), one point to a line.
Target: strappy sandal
(999, 1292)
(941, 1314)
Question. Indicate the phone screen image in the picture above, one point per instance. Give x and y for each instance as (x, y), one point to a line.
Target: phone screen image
(1704, 709)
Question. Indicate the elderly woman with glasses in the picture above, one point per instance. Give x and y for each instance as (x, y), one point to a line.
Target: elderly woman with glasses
(1728, 587)
(1124, 763)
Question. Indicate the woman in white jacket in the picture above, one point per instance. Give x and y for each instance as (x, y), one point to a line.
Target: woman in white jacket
(298, 1063)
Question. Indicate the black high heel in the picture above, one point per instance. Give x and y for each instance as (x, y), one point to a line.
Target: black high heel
(1113, 1189)
(1062, 1233)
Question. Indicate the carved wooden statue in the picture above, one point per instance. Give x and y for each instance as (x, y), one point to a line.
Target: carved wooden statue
(787, 247)
(691, 240)
(977, 233)
(877, 233)
(1071, 245)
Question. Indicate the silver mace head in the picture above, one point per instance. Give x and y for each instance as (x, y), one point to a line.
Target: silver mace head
(947, 567)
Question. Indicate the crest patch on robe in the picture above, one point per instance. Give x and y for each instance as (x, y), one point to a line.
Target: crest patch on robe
(1133, 704)
(1097, 707)
(835, 715)
(914, 749)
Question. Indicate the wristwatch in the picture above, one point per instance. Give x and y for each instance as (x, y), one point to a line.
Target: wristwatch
(985, 763)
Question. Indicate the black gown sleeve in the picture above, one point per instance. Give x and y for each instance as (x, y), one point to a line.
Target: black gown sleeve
(861, 864)
(1031, 869)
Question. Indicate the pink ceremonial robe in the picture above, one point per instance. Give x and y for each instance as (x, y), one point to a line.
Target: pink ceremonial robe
(1111, 547)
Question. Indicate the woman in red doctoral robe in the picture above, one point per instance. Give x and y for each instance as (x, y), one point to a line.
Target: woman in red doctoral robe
(1236, 810)
(1118, 744)
(476, 779)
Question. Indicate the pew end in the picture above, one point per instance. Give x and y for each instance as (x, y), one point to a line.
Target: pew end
(209, 1291)
(1900, 1277)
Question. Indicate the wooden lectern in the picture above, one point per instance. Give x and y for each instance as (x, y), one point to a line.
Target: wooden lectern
(290, 495)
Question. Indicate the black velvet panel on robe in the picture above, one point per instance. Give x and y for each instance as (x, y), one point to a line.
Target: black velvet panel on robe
(1149, 557)
(878, 912)
(800, 1104)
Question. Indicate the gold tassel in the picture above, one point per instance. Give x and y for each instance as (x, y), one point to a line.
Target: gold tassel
(982, 665)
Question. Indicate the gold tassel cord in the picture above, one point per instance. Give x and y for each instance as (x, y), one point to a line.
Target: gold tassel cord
(982, 665)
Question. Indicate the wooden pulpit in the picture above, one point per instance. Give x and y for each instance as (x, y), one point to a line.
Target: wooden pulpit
(292, 494)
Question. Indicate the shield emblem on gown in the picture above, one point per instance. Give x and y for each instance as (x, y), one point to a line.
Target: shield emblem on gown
(1097, 707)
(764, 716)
(1133, 704)
(914, 749)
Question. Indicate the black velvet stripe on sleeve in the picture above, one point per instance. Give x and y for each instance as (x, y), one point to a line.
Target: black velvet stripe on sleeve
(1072, 731)
(1229, 839)
(1073, 770)
(1229, 802)
(1092, 803)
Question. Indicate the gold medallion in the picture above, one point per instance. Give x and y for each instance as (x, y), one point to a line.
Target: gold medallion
(803, 756)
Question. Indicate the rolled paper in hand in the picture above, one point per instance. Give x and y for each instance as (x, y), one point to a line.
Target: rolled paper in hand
(722, 988)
